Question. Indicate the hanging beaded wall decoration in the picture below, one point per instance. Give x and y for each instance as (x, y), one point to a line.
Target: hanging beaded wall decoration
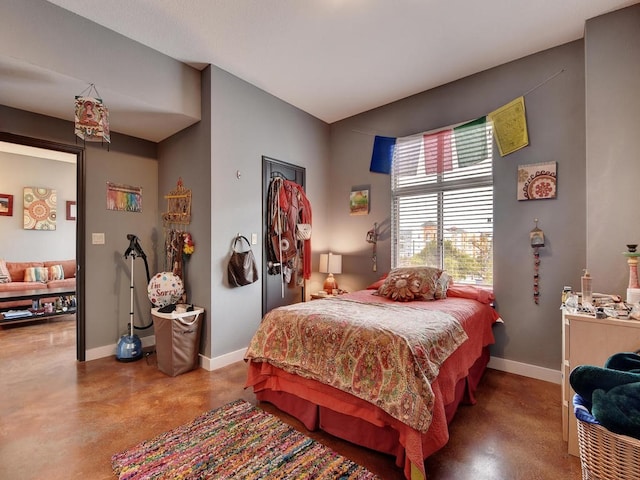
(537, 240)
(536, 275)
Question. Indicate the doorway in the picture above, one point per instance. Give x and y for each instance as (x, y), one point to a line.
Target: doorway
(273, 294)
(79, 222)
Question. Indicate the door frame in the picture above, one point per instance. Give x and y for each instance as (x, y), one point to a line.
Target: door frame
(78, 151)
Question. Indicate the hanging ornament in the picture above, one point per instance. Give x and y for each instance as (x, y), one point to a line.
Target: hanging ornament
(91, 117)
(372, 238)
(537, 240)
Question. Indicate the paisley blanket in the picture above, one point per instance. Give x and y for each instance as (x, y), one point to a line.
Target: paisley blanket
(387, 354)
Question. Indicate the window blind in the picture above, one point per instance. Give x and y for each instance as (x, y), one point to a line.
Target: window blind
(442, 202)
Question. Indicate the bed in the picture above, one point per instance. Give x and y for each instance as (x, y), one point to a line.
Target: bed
(379, 373)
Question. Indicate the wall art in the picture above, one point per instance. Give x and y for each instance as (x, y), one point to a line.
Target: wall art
(40, 208)
(537, 181)
(124, 198)
(6, 205)
(71, 210)
(359, 202)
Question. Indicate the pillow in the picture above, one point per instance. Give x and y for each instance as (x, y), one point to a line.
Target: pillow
(378, 283)
(475, 292)
(36, 274)
(68, 266)
(4, 271)
(56, 272)
(405, 284)
(16, 269)
(442, 285)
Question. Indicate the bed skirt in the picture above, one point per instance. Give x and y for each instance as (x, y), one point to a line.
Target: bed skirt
(340, 414)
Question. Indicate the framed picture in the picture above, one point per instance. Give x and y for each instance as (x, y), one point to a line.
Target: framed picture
(124, 198)
(359, 202)
(6, 205)
(40, 208)
(71, 210)
(537, 181)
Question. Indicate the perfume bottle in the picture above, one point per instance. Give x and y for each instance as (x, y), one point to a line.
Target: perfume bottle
(586, 288)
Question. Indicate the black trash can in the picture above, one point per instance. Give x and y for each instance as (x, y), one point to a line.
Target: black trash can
(177, 340)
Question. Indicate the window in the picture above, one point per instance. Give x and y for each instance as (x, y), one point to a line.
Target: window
(442, 202)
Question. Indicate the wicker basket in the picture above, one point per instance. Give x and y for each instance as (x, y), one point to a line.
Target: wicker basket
(605, 455)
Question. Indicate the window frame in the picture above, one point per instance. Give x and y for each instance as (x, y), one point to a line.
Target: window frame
(439, 185)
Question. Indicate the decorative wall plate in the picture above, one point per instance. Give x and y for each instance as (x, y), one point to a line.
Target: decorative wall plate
(39, 208)
(537, 181)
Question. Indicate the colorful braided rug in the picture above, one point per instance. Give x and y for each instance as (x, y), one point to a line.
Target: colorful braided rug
(236, 441)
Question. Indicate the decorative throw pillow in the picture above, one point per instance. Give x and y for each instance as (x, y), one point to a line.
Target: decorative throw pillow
(4, 271)
(56, 272)
(36, 274)
(4, 278)
(405, 284)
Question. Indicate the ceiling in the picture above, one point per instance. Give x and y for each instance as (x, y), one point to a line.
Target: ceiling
(37, 152)
(337, 58)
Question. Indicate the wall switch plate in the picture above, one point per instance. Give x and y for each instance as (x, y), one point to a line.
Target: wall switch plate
(254, 238)
(97, 238)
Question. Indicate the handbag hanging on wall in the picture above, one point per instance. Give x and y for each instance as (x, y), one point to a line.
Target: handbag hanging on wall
(242, 269)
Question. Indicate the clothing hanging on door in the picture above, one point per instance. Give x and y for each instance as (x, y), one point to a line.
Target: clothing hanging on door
(288, 254)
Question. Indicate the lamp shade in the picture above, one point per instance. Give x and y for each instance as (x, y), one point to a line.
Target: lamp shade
(330, 263)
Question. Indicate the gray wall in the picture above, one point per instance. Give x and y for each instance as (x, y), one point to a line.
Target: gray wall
(187, 155)
(612, 53)
(132, 162)
(240, 123)
(247, 123)
(555, 116)
(19, 245)
(129, 161)
(67, 48)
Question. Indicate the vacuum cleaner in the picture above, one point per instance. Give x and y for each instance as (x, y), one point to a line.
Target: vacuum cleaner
(129, 348)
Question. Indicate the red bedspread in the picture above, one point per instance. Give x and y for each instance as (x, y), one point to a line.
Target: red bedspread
(383, 352)
(374, 371)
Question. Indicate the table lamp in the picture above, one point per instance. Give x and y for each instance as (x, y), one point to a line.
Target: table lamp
(330, 263)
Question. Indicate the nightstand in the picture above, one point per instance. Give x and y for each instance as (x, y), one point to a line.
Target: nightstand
(315, 296)
(590, 341)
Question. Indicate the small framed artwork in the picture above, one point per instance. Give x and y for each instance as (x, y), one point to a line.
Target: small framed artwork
(71, 210)
(537, 181)
(40, 208)
(6, 205)
(359, 202)
(124, 198)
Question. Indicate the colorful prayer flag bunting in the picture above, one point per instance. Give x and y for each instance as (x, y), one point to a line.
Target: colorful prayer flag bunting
(470, 142)
(437, 152)
(510, 126)
(382, 156)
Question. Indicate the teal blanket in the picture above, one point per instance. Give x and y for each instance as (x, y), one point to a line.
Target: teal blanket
(612, 392)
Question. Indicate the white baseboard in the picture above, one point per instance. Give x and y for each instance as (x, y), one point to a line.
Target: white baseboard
(509, 366)
(526, 370)
(110, 350)
(209, 364)
(222, 361)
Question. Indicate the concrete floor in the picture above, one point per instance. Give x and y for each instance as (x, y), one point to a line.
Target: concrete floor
(60, 419)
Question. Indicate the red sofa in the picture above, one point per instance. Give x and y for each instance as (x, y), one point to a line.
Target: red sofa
(17, 284)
